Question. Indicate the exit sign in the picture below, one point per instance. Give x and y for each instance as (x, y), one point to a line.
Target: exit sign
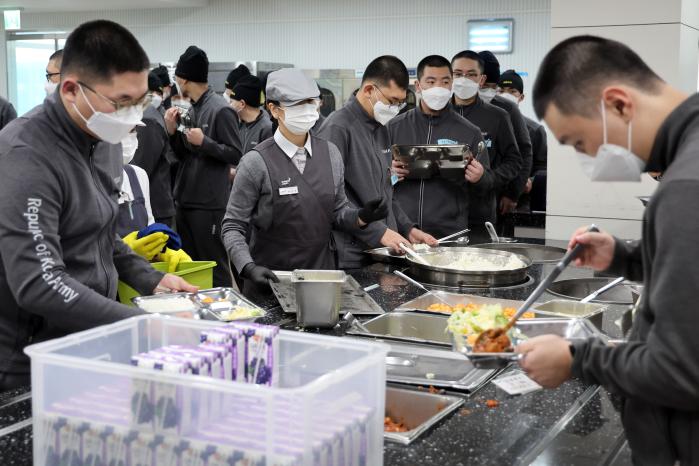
(12, 20)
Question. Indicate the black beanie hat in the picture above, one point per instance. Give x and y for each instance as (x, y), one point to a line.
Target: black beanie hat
(510, 78)
(193, 65)
(249, 90)
(163, 74)
(154, 83)
(492, 66)
(235, 75)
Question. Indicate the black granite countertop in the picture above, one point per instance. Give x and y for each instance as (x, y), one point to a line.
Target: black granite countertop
(574, 424)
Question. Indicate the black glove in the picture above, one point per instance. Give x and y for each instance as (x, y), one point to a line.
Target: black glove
(373, 211)
(259, 275)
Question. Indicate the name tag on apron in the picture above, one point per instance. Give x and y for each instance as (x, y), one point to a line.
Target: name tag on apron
(288, 190)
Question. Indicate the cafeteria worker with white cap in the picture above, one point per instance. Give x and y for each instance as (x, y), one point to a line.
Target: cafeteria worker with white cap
(289, 193)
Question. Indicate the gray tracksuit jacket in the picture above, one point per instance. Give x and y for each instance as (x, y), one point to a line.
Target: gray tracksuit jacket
(60, 255)
(505, 159)
(203, 180)
(657, 371)
(366, 150)
(439, 206)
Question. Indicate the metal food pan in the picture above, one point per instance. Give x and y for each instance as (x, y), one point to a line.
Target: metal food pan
(436, 271)
(421, 303)
(578, 288)
(223, 294)
(410, 327)
(594, 312)
(424, 366)
(538, 253)
(193, 314)
(417, 410)
(386, 255)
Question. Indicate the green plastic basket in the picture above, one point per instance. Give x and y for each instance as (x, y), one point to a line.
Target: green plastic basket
(197, 273)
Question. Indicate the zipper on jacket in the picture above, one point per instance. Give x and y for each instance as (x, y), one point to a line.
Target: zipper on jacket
(421, 199)
(99, 242)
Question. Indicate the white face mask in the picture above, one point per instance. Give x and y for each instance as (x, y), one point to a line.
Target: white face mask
(436, 97)
(464, 88)
(128, 146)
(111, 127)
(50, 87)
(299, 119)
(383, 113)
(612, 163)
(156, 100)
(510, 97)
(227, 98)
(487, 94)
(166, 94)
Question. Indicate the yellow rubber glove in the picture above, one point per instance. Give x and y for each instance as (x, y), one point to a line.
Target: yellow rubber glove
(148, 246)
(173, 258)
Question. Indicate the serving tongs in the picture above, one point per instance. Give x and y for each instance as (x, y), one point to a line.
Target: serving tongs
(494, 333)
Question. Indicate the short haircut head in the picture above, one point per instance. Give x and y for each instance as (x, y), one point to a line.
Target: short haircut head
(57, 56)
(470, 55)
(98, 50)
(573, 74)
(384, 69)
(434, 61)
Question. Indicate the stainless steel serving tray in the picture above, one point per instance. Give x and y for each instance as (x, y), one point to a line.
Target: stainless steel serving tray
(417, 410)
(424, 366)
(429, 160)
(354, 298)
(570, 329)
(578, 288)
(538, 253)
(223, 294)
(193, 314)
(437, 274)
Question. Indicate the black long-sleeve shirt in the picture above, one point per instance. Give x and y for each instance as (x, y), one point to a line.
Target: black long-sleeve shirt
(203, 180)
(524, 143)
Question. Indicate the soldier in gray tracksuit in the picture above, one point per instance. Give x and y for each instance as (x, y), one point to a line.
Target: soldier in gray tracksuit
(60, 255)
(505, 159)
(438, 205)
(366, 149)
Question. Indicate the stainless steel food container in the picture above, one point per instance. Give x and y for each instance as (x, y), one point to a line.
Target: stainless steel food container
(594, 312)
(410, 327)
(436, 273)
(578, 288)
(318, 296)
(417, 410)
(440, 367)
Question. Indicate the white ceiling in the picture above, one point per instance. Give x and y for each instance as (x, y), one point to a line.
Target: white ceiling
(95, 5)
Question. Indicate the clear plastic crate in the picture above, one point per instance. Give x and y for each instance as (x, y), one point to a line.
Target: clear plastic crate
(329, 391)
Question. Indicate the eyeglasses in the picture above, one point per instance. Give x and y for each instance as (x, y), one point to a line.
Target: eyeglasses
(400, 104)
(51, 75)
(142, 102)
(470, 74)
